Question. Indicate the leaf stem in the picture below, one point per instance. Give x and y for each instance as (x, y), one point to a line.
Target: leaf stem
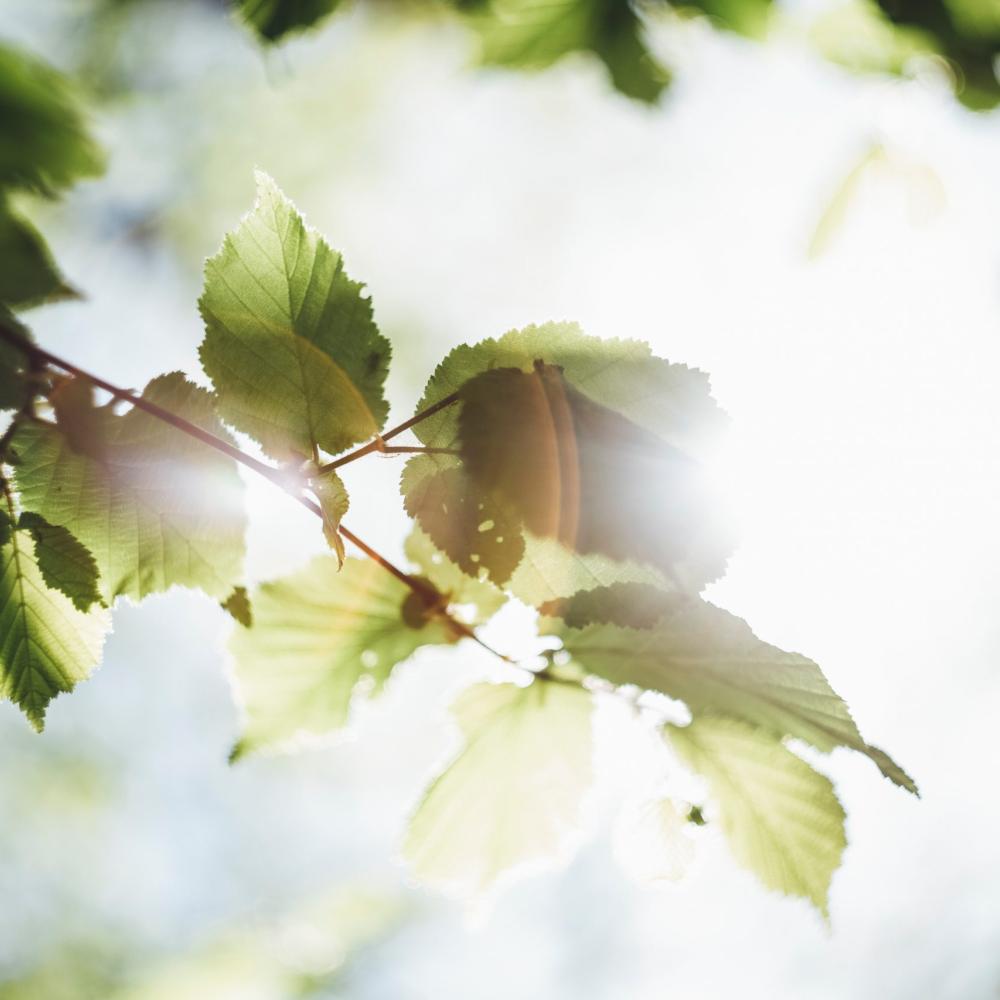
(426, 590)
(379, 443)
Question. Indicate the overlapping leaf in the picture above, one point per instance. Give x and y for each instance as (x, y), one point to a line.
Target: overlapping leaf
(155, 507)
(318, 637)
(533, 34)
(782, 819)
(46, 644)
(273, 19)
(517, 455)
(29, 276)
(514, 793)
(713, 662)
(65, 564)
(290, 343)
(44, 144)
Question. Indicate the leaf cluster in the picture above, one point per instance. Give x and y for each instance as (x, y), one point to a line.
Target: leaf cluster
(551, 469)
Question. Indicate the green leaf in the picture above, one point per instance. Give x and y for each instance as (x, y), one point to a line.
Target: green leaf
(711, 660)
(551, 573)
(157, 509)
(477, 531)
(782, 819)
(290, 343)
(334, 501)
(577, 471)
(667, 400)
(457, 587)
(29, 275)
(632, 605)
(65, 564)
(44, 144)
(320, 637)
(13, 383)
(272, 19)
(237, 604)
(533, 34)
(514, 793)
(46, 644)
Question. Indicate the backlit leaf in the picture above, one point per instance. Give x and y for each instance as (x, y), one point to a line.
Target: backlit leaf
(514, 793)
(158, 508)
(782, 819)
(710, 660)
(65, 564)
(319, 638)
(46, 644)
(290, 343)
(273, 19)
(29, 275)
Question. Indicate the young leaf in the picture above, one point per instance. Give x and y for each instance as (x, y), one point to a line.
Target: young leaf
(273, 19)
(456, 586)
(782, 819)
(46, 644)
(29, 275)
(514, 793)
(158, 508)
(318, 637)
(65, 564)
(290, 343)
(711, 660)
(580, 472)
(44, 145)
(80, 421)
(334, 501)
(477, 531)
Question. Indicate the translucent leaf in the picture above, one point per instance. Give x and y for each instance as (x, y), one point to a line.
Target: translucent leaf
(782, 819)
(550, 572)
(633, 605)
(158, 508)
(46, 644)
(272, 19)
(319, 637)
(457, 587)
(477, 532)
(652, 841)
(80, 421)
(65, 564)
(290, 343)
(670, 402)
(713, 662)
(29, 275)
(334, 501)
(44, 145)
(580, 472)
(514, 793)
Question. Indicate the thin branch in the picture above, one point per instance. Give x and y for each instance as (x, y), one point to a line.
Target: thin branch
(416, 450)
(427, 592)
(379, 443)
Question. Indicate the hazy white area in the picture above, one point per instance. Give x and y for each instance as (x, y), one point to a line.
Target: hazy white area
(864, 462)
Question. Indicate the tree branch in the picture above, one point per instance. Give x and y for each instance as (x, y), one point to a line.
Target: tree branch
(379, 443)
(428, 593)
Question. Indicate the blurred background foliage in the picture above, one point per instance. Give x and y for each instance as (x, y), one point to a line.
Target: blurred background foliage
(806, 235)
